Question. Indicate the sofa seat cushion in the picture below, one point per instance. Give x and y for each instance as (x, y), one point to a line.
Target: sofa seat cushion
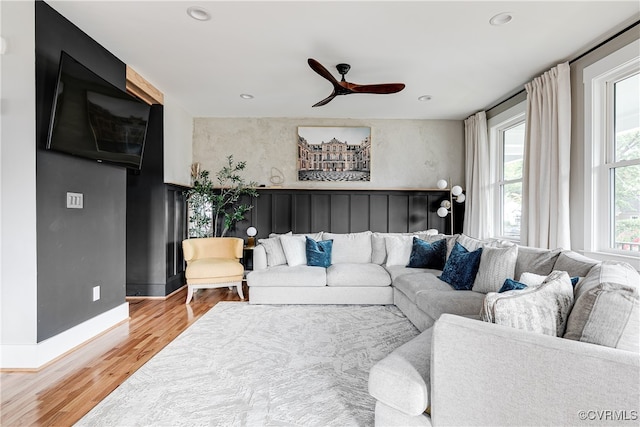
(356, 274)
(412, 284)
(284, 275)
(396, 271)
(436, 302)
(401, 380)
(203, 268)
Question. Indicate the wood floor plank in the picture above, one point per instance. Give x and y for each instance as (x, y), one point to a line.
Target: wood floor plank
(64, 391)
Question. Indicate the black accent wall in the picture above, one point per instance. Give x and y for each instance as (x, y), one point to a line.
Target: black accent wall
(77, 249)
(348, 211)
(156, 223)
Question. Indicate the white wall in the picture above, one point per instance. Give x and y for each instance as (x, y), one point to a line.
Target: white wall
(404, 153)
(18, 272)
(178, 133)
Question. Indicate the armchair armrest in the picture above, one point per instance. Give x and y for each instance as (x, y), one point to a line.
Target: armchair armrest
(259, 258)
(487, 374)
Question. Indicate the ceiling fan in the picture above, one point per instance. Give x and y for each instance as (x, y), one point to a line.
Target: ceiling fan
(343, 87)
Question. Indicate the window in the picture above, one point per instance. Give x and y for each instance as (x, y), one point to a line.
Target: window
(612, 157)
(506, 140)
(624, 164)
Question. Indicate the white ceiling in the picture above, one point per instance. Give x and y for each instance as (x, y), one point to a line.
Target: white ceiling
(445, 49)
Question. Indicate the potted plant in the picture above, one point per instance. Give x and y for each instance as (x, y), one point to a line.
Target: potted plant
(214, 210)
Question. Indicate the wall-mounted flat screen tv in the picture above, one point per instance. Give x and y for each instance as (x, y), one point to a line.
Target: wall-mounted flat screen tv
(94, 119)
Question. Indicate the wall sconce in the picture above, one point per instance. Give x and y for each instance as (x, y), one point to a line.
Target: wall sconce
(455, 193)
(251, 232)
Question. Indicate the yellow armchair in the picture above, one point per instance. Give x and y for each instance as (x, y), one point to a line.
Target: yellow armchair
(213, 262)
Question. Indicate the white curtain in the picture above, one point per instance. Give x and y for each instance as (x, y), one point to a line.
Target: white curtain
(477, 218)
(545, 187)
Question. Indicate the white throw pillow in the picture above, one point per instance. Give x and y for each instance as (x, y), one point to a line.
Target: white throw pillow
(295, 249)
(532, 279)
(350, 247)
(496, 266)
(398, 250)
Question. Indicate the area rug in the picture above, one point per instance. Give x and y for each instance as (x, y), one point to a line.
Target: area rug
(262, 365)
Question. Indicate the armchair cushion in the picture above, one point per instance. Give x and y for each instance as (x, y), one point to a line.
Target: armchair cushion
(213, 270)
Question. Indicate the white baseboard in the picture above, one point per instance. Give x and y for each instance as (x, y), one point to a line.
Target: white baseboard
(34, 356)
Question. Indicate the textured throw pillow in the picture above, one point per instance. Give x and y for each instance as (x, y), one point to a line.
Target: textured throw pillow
(428, 255)
(461, 268)
(607, 307)
(295, 249)
(350, 247)
(318, 253)
(273, 248)
(511, 285)
(496, 265)
(398, 250)
(543, 309)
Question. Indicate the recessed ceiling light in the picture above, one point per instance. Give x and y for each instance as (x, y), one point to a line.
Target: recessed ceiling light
(246, 96)
(424, 98)
(501, 19)
(198, 13)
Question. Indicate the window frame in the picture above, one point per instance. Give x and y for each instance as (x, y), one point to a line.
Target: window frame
(497, 125)
(599, 163)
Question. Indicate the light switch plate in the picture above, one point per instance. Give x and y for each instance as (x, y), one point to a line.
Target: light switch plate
(75, 201)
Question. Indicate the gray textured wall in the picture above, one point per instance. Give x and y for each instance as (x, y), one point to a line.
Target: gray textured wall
(405, 153)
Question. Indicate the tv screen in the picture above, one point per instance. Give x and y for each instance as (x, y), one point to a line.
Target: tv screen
(94, 119)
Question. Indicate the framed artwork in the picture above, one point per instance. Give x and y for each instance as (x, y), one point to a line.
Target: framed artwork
(334, 153)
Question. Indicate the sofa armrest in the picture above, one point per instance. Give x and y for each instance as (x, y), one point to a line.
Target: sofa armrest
(487, 374)
(259, 257)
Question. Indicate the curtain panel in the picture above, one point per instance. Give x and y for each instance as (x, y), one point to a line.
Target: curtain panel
(545, 190)
(477, 215)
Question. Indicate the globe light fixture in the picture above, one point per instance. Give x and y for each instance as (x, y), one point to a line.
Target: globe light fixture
(251, 232)
(455, 193)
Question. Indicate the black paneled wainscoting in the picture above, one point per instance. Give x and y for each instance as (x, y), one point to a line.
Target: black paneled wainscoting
(348, 211)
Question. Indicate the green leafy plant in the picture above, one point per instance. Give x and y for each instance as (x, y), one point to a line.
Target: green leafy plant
(215, 209)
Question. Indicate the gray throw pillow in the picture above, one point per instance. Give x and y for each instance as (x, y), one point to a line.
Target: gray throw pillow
(607, 308)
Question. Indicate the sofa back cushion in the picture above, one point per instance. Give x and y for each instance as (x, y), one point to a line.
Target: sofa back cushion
(535, 260)
(574, 263)
(607, 308)
(378, 244)
(350, 247)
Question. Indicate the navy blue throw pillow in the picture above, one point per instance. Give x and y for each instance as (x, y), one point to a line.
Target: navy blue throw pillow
(511, 285)
(574, 281)
(461, 268)
(428, 255)
(319, 253)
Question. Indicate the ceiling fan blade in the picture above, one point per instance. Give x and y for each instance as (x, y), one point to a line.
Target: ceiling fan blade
(318, 68)
(325, 101)
(383, 88)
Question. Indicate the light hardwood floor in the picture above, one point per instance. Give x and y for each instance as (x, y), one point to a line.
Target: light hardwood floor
(64, 391)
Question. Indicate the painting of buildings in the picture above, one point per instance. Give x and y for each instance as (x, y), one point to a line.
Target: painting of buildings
(334, 153)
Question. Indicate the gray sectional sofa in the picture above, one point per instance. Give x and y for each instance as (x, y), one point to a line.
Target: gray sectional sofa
(556, 352)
